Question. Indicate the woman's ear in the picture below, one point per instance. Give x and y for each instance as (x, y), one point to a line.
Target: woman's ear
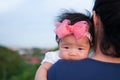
(96, 19)
(97, 25)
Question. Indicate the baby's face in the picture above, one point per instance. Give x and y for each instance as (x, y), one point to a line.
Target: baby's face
(73, 49)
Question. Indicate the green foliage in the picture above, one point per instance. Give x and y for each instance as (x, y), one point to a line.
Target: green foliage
(14, 67)
(10, 63)
(36, 52)
(28, 73)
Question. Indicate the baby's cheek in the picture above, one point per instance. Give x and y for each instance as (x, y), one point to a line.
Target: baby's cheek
(64, 56)
(83, 55)
(61, 55)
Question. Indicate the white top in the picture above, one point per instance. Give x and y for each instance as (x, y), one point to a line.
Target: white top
(51, 57)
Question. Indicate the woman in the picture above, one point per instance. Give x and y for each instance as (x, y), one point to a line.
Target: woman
(105, 64)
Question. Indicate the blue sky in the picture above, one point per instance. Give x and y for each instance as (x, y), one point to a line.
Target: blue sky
(30, 23)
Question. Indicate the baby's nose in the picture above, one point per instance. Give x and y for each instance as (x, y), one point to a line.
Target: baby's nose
(73, 52)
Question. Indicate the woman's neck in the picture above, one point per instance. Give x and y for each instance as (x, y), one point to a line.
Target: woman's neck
(101, 57)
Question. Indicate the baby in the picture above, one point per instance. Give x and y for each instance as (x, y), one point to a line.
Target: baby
(74, 41)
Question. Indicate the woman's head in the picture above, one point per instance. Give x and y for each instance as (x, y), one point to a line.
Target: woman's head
(108, 13)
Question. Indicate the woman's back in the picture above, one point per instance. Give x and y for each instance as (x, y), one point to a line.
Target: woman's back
(87, 69)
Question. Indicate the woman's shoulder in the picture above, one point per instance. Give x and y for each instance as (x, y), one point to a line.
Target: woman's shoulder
(87, 62)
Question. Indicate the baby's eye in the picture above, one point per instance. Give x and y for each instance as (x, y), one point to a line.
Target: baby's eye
(80, 49)
(66, 47)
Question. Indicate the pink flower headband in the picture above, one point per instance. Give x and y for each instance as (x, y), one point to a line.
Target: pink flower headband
(79, 29)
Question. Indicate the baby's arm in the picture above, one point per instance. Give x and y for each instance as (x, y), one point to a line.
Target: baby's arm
(49, 59)
(41, 73)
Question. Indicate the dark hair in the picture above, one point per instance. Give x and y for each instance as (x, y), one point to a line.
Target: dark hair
(109, 12)
(74, 17)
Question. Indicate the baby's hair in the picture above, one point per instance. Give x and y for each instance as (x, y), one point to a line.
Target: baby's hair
(74, 17)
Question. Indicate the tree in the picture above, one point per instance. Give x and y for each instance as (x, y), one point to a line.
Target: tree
(11, 63)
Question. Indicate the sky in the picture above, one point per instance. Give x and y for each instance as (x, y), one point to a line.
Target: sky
(30, 23)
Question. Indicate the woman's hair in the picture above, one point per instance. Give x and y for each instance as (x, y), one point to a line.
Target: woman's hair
(109, 12)
(74, 17)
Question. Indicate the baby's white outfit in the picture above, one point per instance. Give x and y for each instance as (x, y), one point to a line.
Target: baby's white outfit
(51, 57)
